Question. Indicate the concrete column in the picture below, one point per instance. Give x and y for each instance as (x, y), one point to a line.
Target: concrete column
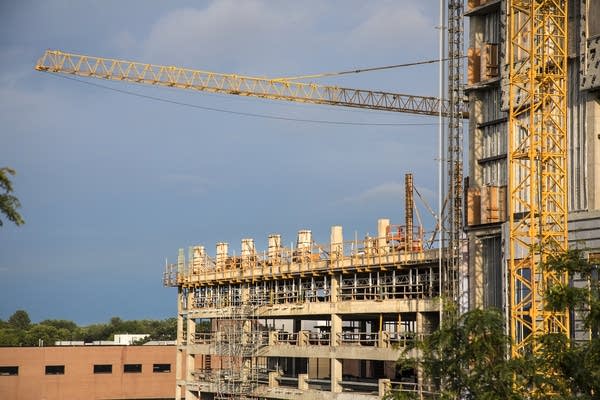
(245, 294)
(336, 329)
(303, 338)
(180, 263)
(272, 338)
(303, 381)
(180, 302)
(384, 339)
(336, 375)
(382, 227)
(593, 153)
(336, 251)
(476, 284)
(384, 386)
(336, 364)
(189, 395)
(334, 282)
(419, 328)
(190, 358)
(273, 382)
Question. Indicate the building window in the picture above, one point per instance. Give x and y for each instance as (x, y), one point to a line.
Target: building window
(102, 368)
(492, 105)
(161, 368)
(491, 31)
(9, 370)
(55, 369)
(494, 148)
(132, 368)
(593, 18)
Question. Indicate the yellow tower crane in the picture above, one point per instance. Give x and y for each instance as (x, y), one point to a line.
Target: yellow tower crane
(537, 158)
(267, 88)
(537, 47)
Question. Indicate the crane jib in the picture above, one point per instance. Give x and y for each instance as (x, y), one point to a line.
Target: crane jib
(276, 89)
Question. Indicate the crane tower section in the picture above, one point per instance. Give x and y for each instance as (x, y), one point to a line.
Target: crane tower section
(537, 155)
(455, 146)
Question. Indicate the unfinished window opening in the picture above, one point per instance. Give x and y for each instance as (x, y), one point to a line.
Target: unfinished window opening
(103, 368)
(593, 18)
(132, 368)
(9, 370)
(55, 369)
(161, 368)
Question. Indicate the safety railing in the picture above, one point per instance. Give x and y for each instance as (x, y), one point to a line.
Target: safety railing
(358, 338)
(280, 262)
(421, 391)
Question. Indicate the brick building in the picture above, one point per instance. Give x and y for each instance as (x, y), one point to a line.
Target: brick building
(87, 372)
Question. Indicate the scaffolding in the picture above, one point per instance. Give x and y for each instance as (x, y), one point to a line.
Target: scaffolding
(237, 344)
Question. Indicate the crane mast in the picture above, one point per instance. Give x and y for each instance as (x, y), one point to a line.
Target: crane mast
(537, 159)
(454, 222)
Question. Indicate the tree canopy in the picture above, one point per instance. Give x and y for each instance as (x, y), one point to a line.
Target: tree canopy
(9, 203)
(466, 358)
(19, 331)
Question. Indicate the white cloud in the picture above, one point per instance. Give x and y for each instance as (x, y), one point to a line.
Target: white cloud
(224, 32)
(261, 37)
(392, 25)
(124, 42)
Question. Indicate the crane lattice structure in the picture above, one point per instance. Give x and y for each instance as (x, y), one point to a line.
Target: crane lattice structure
(537, 98)
(268, 88)
(455, 148)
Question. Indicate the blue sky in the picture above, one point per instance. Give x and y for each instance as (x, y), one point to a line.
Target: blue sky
(112, 184)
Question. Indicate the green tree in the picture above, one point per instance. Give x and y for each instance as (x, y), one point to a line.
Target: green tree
(8, 202)
(61, 324)
(11, 337)
(466, 356)
(19, 320)
(41, 335)
(576, 365)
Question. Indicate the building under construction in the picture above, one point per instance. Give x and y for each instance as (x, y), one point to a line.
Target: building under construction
(490, 88)
(312, 321)
(330, 321)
